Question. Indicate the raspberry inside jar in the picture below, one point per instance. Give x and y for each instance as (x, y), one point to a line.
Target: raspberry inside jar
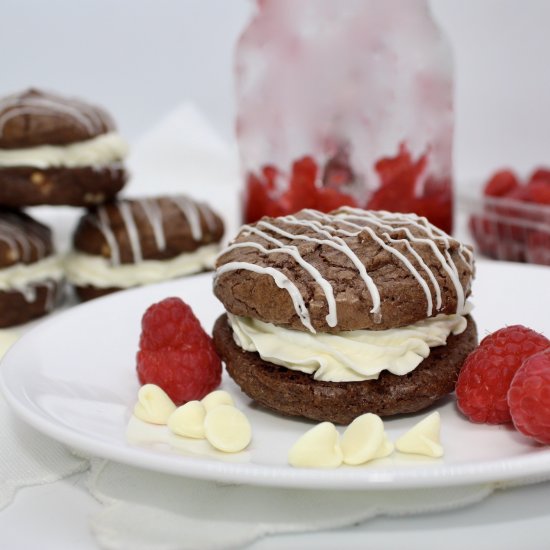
(345, 105)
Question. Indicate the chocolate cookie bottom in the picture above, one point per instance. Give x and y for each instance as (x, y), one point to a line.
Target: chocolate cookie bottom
(86, 186)
(85, 293)
(295, 393)
(15, 309)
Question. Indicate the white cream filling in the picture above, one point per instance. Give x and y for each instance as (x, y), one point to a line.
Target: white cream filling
(99, 151)
(349, 356)
(20, 276)
(85, 269)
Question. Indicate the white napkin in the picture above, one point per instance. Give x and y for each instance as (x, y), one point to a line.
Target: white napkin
(26, 456)
(184, 154)
(150, 511)
(30, 458)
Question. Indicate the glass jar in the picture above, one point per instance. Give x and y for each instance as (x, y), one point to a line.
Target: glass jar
(345, 103)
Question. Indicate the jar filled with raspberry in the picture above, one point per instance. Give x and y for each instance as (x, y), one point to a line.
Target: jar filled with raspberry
(345, 103)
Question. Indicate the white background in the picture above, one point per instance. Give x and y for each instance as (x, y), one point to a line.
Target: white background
(141, 58)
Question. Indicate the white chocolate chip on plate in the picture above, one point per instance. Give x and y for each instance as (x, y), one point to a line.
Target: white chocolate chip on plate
(154, 405)
(215, 398)
(188, 420)
(365, 440)
(317, 448)
(423, 438)
(227, 429)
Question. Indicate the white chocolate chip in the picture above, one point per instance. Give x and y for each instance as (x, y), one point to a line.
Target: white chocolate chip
(365, 440)
(317, 448)
(227, 429)
(37, 178)
(423, 438)
(154, 405)
(94, 198)
(215, 398)
(188, 420)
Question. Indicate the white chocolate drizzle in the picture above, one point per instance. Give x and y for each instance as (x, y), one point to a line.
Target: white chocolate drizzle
(191, 211)
(50, 294)
(125, 210)
(20, 243)
(208, 216)
(330, 227)
(30, 293)
(334, 242)
(16, 239)
(293, 251)
(194, 214)
(281, 280)
(77, 112)
(153, 213)
(103, 223)
(433, 234)
(392, 251)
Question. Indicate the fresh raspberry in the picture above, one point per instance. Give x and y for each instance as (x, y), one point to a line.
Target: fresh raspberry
(539, 191)
(529, 397)
(170, 323)
(176, 353)
(496, 239)
(185, 374)
(540, 174)
(501, 184)
(436, 203)
(521, 194)
(402, 189)
(264, 198)
(256, 200)
(486, 375)
(401, 171)
(301, 191)
(329, 199)
(485, 233)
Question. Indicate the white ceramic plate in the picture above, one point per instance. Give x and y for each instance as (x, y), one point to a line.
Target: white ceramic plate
(73, 378)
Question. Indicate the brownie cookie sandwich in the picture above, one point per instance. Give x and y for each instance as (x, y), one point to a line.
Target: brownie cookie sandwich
(330, 316)
(31, 275)
(59, 151)
(134, 242)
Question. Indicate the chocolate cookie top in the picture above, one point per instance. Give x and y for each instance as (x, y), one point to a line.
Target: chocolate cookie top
(22, 239)
(34, 117)
(131, 230)
(347, 270)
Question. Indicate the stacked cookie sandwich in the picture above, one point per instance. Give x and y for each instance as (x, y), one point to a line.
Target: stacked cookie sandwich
(333, 315)
(53, 151)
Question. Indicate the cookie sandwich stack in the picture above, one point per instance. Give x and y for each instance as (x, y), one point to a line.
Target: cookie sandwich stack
(53, 151)
(329, 316)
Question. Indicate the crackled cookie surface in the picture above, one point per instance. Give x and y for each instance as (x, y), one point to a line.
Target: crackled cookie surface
(347, 270)
(330, 316)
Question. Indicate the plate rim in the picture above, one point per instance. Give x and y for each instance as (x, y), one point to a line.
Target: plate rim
(533, 465)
